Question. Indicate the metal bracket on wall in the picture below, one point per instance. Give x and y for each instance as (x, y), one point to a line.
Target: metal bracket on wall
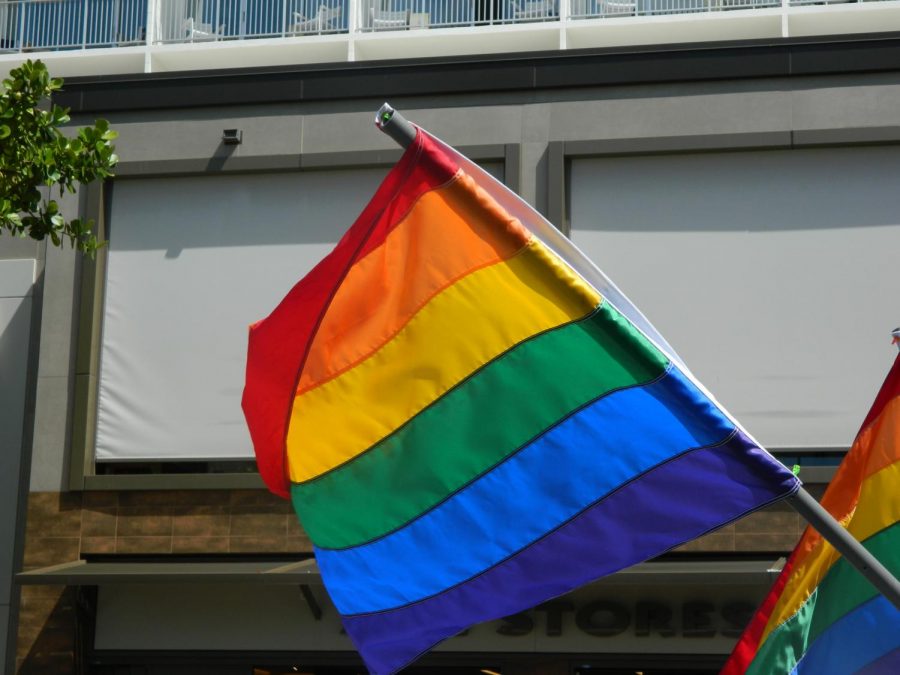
(314, 608)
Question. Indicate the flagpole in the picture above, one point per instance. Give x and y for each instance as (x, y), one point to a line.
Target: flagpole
(397, 127)
(854, 552)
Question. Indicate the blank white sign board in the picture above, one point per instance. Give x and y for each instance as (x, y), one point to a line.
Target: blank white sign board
(774, 274)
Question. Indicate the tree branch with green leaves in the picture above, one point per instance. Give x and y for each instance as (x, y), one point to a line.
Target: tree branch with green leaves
(35, 154)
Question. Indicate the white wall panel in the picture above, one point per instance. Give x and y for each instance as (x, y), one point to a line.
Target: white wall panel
(15, 327)
(16, 284)
(192, 263)
(775, 275)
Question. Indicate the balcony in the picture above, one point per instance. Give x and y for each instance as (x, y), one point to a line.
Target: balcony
(94, 37)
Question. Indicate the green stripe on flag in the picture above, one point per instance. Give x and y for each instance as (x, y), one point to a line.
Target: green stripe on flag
(841, 591)
(844, 588)
(476, 425)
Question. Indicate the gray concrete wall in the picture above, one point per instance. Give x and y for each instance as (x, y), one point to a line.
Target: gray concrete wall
(57, 268)
(671, 117)
(16, 290)
(745, 113)
(760, 113)
(55, 377)
(682, 117)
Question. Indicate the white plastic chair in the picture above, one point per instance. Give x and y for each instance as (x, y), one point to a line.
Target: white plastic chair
(326, 19)
(383, 19)
(618, 7)
(533, 9)
(201, 32)
(329, 18)
(302, 24)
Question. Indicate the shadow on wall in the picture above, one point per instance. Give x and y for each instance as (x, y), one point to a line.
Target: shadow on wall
(15, 322)
(293, 207)
(734, 192)
(47, 632)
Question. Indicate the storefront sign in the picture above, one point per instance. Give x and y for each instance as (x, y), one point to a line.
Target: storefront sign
(686, 619)
(608, 618)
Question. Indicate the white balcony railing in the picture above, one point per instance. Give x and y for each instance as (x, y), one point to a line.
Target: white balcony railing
(28, 25)
(591, 9)
(212, 20)
(41, 25)
(421, 14)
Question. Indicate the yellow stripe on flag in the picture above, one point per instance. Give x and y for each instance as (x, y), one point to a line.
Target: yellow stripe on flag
(449, 233)
(462, 328)
(873, 513)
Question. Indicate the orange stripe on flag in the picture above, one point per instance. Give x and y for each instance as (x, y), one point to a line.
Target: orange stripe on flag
(875, 454)
(448, 233)
(855, 497)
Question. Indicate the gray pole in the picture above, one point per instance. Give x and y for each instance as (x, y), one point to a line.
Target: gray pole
(397, 127)
(844, 543)
(855, 553)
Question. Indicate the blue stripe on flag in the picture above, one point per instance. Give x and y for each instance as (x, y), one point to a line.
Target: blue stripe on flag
(557, 476)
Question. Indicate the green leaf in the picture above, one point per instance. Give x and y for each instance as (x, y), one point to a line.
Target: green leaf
(59, 115)
(35, 153)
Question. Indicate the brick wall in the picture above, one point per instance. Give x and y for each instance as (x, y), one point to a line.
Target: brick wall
(62, 527)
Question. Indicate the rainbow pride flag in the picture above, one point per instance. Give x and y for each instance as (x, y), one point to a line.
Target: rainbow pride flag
(471, 419)
(822, 616)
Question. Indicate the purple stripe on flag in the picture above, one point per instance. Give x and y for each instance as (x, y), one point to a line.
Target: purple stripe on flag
(873, 630)
(889, 664)
(674, 503)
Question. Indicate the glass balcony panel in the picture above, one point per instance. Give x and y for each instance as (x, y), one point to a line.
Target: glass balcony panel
(33, 25)
(38, 25)
(795, 3)
(593, 9)
(10, 23)
(216, 20)
(314, 17)
(379, 15)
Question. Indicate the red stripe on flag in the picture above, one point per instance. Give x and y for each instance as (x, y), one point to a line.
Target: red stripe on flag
(278, 344)
(836, 502)
(746, 648)
(889, 390)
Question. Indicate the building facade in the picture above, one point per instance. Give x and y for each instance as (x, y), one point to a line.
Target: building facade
(741, 190)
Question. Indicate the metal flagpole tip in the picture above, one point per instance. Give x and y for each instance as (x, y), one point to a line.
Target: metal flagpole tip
(395, 125)
(895, 334)
(384, 115)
